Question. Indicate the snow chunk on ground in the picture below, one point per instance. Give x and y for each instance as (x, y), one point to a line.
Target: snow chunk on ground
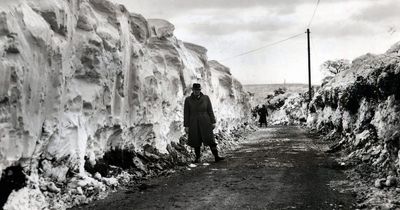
(26, 198)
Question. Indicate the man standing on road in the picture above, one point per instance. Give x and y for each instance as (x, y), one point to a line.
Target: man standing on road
(263, 113)
(199, 122)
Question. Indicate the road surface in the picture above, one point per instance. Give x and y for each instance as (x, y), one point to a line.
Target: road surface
(276, 168)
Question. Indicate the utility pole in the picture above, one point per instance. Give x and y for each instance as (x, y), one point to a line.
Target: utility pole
(309, 66)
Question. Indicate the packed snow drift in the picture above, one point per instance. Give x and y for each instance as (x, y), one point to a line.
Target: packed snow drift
(86, 84)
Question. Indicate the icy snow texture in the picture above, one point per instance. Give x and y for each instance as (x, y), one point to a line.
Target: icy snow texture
(292, 112)
(26, 199)
(79, 78)
(361, 105)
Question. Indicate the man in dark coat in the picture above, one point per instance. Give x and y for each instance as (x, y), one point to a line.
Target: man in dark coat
(263, 113)
(199, 122)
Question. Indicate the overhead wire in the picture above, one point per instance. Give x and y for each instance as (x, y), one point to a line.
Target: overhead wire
(263, 47)
(309, 24)
(277, 42)
(312, 17)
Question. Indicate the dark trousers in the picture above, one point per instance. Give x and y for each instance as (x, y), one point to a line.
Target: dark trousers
(213, 149)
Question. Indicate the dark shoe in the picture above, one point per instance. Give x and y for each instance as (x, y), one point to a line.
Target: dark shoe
(218, 158)
(197, 155)
(214, 151)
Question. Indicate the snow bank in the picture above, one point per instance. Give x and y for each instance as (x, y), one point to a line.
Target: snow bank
(361, 107)
(286, 107)
(81, 79)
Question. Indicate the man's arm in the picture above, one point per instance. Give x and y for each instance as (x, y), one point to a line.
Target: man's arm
(210, 111)
(186, 115)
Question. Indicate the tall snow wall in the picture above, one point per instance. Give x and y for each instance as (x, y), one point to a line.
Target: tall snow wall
(80, 78)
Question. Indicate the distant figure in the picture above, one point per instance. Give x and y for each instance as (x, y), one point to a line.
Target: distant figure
(263, 113)
(199, 122)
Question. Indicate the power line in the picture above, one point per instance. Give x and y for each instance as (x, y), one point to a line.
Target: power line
(312, 17)
(263, 47)
(277, 42)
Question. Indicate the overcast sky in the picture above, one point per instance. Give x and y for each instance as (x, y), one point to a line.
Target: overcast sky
(340, 29)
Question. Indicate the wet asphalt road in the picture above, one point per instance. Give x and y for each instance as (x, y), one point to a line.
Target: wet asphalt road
(276, 168)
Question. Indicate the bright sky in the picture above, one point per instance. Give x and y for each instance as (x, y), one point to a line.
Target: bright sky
(340, 29)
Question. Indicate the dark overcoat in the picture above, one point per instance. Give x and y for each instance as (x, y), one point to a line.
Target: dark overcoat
(263, 114)
(199, 117)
